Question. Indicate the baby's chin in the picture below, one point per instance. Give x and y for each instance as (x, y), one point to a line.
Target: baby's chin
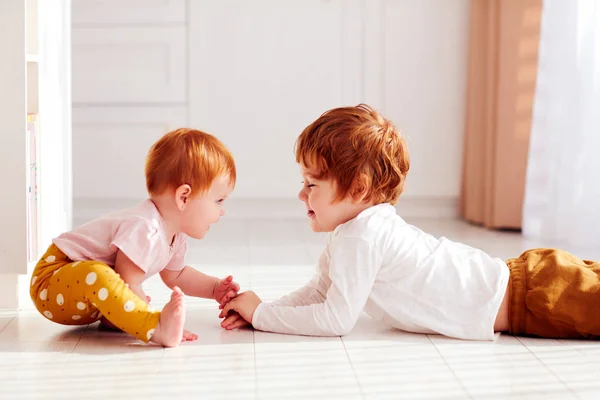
(198, 235)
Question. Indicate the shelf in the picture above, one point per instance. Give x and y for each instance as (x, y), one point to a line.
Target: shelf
(32, 58)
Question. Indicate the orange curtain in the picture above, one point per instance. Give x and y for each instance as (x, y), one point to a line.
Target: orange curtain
(502, 69)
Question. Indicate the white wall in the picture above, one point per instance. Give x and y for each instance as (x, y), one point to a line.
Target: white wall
(256, 73)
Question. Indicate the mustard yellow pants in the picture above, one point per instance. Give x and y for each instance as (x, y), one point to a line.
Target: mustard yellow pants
(554, 295)
(79, 293)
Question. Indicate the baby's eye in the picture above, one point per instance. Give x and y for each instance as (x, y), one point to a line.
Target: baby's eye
(220, 201)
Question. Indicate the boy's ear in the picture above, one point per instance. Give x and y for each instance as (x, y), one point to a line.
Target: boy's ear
(182, 196)
(360, 188)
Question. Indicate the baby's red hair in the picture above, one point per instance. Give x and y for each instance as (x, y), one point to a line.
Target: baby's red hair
(187, 156)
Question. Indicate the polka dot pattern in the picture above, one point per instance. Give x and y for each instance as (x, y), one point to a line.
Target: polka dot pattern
(72, 296)
(129, 306)
(90, 278)
(103, 294)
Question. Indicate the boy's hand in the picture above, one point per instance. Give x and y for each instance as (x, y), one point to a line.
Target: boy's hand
(234, 321)
(244, 304)
(225, 290)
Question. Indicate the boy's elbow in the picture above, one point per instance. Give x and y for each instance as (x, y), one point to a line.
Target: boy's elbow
(337, 331)
(343, 331)
(342, 328)
(339, 323)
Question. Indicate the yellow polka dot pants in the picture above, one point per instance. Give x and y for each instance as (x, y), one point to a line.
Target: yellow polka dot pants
(79, 293)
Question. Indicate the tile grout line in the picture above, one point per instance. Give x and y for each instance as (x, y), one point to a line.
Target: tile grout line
(74, 347)
(450, 368)
(255, 369)
(548, 368)
(360, 388)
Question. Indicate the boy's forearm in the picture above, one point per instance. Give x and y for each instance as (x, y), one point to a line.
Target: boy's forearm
(196, 284)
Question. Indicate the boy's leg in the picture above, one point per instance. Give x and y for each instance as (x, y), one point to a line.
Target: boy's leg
(554, 295)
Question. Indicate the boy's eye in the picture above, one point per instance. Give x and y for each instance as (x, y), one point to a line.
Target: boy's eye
(309, 185)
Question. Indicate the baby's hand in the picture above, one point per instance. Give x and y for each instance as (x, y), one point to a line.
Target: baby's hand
(225, 290)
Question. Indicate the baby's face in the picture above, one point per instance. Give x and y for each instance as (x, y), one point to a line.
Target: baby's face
(206, 209)
(324, 213)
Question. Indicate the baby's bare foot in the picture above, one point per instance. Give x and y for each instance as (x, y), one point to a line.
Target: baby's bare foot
(189, 336)
(169, 330)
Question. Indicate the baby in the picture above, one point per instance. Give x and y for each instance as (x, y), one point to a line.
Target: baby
(95, 272)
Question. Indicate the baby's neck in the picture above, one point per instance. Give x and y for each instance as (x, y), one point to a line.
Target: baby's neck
(170, 215)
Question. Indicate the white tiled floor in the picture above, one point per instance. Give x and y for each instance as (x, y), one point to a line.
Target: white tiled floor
(40, 360)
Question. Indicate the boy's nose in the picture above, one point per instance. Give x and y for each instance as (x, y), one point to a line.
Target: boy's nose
(302, 195)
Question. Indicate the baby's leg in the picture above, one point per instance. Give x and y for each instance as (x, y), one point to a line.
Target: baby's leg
(554, 295)
(169, 331)
(51, 288)
(78, 293)
(105, 290)
(89, 289)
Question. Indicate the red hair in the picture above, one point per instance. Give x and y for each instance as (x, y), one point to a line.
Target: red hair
(187, 156)
(346, 143)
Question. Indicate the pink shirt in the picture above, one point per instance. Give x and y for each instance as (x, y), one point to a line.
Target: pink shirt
(138, 232)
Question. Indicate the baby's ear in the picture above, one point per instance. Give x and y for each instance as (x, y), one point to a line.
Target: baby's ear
(182, 195)
(360, 188)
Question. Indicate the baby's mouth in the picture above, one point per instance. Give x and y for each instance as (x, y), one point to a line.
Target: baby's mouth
(310, 213)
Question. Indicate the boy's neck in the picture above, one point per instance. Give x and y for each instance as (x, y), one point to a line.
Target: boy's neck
(354, 210)
(167, 209)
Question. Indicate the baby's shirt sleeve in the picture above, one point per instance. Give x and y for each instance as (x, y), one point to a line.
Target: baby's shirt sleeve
(138, 240)
(353, 266)
(177, 262)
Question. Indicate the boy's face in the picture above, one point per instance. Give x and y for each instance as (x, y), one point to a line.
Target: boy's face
(318, 196)
(206, 209)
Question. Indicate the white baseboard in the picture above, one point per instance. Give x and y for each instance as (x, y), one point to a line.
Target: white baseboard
(85, 209)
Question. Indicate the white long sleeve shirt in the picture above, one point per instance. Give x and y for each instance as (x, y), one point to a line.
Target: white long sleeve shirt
(399, 275)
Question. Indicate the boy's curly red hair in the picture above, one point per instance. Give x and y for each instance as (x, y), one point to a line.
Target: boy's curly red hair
(347, 142)
(187, 156)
